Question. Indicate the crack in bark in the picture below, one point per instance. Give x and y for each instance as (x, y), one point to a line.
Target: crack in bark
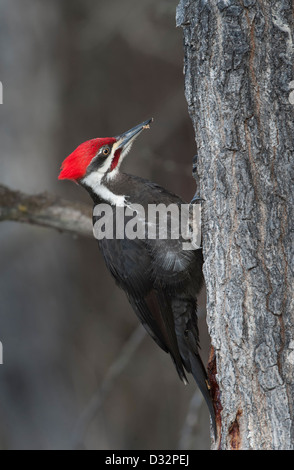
(215, 391)
(234, 432)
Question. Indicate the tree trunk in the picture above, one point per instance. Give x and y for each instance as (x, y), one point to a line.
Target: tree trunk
(238, 83)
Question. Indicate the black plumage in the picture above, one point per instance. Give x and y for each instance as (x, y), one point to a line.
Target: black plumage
(160, 279)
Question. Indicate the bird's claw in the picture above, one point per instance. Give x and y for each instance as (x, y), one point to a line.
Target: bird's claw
(197, 199)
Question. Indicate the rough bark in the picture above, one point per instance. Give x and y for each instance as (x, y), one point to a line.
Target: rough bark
(45, 210)
(238, 83)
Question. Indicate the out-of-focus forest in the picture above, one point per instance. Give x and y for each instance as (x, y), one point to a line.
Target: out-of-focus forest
(72, 71)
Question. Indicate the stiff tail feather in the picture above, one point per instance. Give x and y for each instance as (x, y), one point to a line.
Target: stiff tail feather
(200, 376)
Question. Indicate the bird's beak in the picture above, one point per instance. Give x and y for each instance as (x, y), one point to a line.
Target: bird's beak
(127, 138)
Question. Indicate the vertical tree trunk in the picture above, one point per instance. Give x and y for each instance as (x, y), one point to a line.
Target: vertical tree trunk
(238, 81)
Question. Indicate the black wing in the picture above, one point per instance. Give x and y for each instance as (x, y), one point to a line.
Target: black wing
(130, 265)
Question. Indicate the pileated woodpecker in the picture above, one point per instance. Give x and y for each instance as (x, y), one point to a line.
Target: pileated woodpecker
(160, 279)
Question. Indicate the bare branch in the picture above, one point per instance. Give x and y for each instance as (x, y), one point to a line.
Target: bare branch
(97, 400)
(191, 425)
(45, 210)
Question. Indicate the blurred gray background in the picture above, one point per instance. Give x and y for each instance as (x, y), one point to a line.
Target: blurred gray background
(71, 71)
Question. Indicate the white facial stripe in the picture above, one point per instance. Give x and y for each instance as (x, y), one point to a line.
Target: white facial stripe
(113, 173)
(93, 181)
(106, 165)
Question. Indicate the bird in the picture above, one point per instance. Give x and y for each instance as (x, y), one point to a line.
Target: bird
(161, 280)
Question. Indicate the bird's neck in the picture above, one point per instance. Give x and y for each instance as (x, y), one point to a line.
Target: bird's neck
(109, 189)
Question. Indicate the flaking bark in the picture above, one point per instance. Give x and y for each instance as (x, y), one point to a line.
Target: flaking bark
(239, 87)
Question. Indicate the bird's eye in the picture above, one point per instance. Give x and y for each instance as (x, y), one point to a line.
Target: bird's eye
(106, 151)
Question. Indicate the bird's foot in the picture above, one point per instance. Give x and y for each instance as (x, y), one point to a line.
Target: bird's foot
(196, 199)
